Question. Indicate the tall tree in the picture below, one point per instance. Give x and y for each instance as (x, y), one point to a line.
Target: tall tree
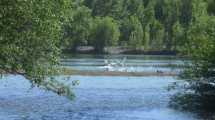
(105, 32)
(112, 8)
(77, 30)
(178, 36)
(132, 32)
(211, 7)
(186, 13)
(156, 35)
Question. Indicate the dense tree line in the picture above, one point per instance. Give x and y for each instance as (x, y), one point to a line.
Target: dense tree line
(154, 25)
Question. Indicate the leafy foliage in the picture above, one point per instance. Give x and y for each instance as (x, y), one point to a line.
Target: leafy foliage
(132, 32)
(199, 94)
(159, 24)
(105, 32)
(30, 31)
(77, 30)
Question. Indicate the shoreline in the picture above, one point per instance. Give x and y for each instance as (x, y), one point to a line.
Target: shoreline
(119, 50)
(116, 73)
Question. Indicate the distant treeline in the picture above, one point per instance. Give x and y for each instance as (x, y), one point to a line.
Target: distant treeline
(150, 25)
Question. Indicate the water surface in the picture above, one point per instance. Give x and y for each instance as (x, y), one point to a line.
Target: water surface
(97, 98)
(132, 63)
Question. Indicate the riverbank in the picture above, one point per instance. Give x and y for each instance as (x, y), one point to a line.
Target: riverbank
(117, 73)
(119, 50)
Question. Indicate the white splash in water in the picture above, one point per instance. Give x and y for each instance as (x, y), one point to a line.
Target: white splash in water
(115, 65)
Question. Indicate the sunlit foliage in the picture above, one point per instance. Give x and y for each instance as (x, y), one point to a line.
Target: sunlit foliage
(30, 32)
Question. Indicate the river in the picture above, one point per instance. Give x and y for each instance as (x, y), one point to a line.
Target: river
(97, 97)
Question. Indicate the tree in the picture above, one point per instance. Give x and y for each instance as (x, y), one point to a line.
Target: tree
(211, 7)
(30, 33)
(111, 8)
(167, 12)
(146, 20)
(132, 32)
(156, 35)
(199, 94)
(105, 32)
(201, 48)
(77, 31)
(200, 74)
(134, 7)
(178, 36)
(199, 10)
(186, 13)
(136, 34)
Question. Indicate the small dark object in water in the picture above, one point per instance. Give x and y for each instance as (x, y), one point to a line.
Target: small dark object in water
(160, 72)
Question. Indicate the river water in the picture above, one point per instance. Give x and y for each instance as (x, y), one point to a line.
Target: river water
(97, 98)
(131, 63)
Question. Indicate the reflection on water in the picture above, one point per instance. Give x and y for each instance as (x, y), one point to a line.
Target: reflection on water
(97, 98)
(126, 63)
